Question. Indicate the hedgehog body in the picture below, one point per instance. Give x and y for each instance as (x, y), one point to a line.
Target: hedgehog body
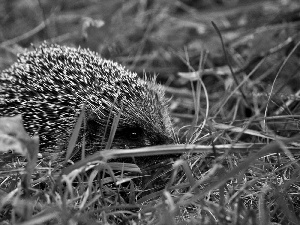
(50, 85)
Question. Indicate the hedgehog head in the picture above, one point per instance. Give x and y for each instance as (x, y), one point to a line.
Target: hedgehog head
(144, 119)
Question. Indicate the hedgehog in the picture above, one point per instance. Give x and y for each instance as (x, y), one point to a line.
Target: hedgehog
(50, 85)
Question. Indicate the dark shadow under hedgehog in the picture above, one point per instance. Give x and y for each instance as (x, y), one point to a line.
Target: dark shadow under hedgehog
(50, 85)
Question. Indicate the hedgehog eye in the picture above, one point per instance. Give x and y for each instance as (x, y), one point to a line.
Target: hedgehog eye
(133, 134)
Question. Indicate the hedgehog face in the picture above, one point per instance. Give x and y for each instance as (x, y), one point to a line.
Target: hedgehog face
(131, 133)
(140, 125)
(135, 136)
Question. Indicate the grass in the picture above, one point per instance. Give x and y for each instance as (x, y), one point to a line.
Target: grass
(236, 119)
